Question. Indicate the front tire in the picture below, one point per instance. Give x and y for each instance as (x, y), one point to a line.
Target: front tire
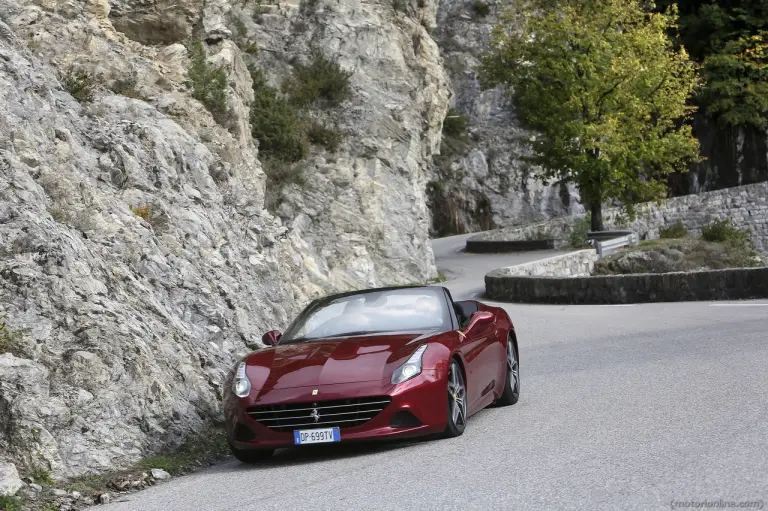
(512, 384)
(457, 402)
(251, 456)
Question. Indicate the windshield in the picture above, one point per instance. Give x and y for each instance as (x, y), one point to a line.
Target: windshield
(371, 312)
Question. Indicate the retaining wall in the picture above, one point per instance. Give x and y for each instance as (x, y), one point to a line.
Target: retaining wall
(493, 246)
(746, 205)
(576, 264)
(728, 284)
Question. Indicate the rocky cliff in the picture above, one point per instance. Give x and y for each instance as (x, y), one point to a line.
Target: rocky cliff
(482, 182)
(136, 256)
(735, 156)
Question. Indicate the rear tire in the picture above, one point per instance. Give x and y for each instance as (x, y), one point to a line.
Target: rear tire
(457, 402)
(512, 381)
(251, 456)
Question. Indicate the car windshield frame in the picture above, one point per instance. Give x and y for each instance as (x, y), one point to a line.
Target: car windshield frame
(443, 314)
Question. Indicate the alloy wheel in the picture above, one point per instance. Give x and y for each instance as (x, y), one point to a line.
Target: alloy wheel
(457, 396)
(512, 368)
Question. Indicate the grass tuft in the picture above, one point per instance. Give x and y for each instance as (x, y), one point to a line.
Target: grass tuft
(193, 453)
(10, 341)
(42, 476)
(10, 503)
(144, 212)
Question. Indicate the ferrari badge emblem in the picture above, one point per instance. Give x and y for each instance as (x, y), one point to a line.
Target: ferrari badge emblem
(314, 392)
(315, 415)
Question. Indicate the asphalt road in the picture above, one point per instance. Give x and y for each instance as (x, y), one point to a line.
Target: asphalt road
(622, 407)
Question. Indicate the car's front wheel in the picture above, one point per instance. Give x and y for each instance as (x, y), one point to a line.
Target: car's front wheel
(512, 384)
(251, 455)
(457, 402)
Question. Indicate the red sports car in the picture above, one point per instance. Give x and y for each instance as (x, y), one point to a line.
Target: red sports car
(380, 363)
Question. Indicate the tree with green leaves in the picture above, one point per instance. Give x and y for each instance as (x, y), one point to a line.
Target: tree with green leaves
(605, 91)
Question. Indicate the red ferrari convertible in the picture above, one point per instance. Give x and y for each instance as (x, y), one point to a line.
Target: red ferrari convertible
(373, 364)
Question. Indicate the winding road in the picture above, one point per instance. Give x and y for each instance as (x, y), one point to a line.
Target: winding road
(648, 406)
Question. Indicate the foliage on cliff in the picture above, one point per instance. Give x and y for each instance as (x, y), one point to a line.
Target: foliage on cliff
(207, 83)
(604, 89)
(730, 39)
(281, 119)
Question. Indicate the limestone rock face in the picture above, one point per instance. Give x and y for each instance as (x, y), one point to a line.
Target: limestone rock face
(156, 22)
(9, 479)
(136, 258)
(488, 185)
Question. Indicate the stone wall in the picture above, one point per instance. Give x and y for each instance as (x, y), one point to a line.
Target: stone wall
(746, 205)
(728, 284)
(573, 264)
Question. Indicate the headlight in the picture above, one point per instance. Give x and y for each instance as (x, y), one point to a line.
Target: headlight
(241, 385)
(410, 368)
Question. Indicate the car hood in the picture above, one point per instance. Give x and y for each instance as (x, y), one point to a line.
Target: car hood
(330, 361)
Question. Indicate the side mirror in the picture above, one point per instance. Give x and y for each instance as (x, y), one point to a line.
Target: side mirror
(479, 318)
(271, 337)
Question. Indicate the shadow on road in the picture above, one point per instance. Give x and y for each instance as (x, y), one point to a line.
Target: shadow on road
(329, 452)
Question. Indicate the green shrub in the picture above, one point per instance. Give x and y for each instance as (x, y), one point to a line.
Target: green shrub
(320, 80)
(399, 5)
(454, 141)
(277, 125)
(674, 231)
(481, 9)
(127, 87)
(455, 124)
(10, 341)
(241, 30)
(326, 137)
(252, 49)
(540, 234)
(10, 503)
(42, 476)
(280, 174)
(79, 84)
(578, 237)
(208, 84)
(280, 123)
(725, 231)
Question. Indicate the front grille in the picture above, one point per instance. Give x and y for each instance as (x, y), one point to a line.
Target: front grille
(341, 413)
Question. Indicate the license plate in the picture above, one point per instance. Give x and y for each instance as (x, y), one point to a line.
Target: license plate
(316, 436)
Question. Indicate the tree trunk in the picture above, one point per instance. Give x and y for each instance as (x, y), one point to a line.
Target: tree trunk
(596, 209)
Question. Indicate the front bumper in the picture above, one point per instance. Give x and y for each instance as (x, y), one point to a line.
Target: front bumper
(423, 396)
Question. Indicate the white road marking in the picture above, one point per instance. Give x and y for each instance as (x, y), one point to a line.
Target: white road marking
(738, 304)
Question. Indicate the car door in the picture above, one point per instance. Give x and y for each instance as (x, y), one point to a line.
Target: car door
(477, 351)
(480, 342)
